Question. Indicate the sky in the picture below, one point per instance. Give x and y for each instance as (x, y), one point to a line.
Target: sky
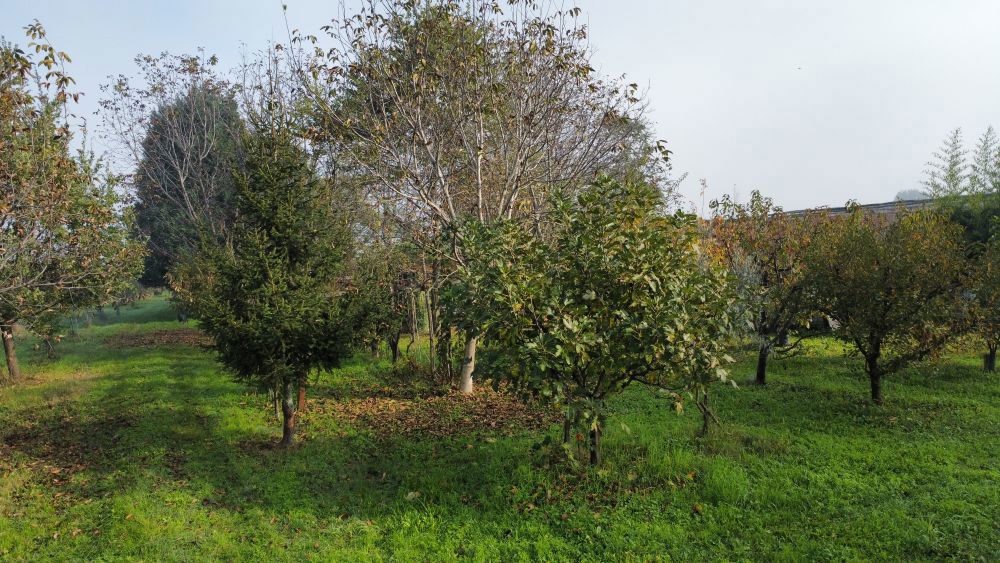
(812, 103)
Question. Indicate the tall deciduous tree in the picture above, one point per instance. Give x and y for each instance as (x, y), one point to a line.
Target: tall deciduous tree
(177, 126)
(453, 111)
(619, 293)
(768, 248)
(275, 306)
(893, 284)
(63, 242)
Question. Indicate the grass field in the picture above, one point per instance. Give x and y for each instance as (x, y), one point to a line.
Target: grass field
(133, 445)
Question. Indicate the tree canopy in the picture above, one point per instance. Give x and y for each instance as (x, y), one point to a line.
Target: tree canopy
(64, 240)
(620, 293)
(894, 285)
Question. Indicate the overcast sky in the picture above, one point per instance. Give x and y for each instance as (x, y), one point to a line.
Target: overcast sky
(811, 102)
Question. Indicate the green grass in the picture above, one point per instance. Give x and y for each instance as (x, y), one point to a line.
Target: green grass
(152, 453)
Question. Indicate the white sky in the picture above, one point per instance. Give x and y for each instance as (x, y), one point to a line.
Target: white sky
(811, 102)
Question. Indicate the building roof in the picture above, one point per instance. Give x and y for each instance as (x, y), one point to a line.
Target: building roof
(887, 208)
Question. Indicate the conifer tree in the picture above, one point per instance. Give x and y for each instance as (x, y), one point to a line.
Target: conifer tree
(947, 172)
(275, 305)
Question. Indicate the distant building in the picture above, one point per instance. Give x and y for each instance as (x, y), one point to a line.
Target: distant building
(889, 208)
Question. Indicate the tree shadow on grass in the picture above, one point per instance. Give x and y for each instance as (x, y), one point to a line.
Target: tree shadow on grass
(188, 428)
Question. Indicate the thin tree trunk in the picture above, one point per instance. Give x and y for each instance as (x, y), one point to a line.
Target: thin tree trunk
(706, 414)
(430, 331)
(276, 401)
(468, 365)
(595, 446)
(394, 346)
(13, 370)
(288, 415)
(413, 320)
(567, 427)
(875, 378)
(444, 355)
(990, 364)
(302, 398)
(762, 354)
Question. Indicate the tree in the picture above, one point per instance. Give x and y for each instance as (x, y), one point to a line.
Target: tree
(177, 123)
(275, 306)
(947, 173)
(767, 248)
(620, 293)
(453, 111)
(986, 288)
(383, 295)
(894, 285)
(907, 195)
(64, 241)
(984, 174)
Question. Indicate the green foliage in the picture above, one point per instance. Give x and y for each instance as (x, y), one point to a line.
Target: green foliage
(148, 453)
(64, 242)
(984, 170)
(947, 173)
(765, 248)
(893, 284)
(383, 287)
(273, 304)
(183, 185)
(985, 286)
(620, 293)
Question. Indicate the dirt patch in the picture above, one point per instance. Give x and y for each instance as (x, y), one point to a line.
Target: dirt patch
(180, 336)
(447, 415)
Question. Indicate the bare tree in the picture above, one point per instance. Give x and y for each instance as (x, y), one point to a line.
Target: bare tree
(176, 125)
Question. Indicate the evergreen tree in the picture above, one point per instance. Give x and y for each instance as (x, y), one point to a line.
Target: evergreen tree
(984, 176)
(947, 171)
(274, 305)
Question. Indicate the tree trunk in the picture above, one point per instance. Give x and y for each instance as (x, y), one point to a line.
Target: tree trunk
(276, 401)
(430, 332)
(414, 324)
(706, 413)
(876, 381)
(567, 427)
(762, 354)
(288, 414)
(990, 363)
(394, 346)
(468, 365)
(783, 338)
(595, 446)
(13, 370)
(302, 398)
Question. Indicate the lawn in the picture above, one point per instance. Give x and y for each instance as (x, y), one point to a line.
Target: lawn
(133, 445)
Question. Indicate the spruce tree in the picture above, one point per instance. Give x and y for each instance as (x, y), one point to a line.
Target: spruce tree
(274, 304)
(947, 171)
(984, 176)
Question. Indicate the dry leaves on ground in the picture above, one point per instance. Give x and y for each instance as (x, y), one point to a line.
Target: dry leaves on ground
(455, 413)
(183, 336)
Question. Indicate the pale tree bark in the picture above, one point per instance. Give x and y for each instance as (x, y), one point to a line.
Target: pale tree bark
(465, 384)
